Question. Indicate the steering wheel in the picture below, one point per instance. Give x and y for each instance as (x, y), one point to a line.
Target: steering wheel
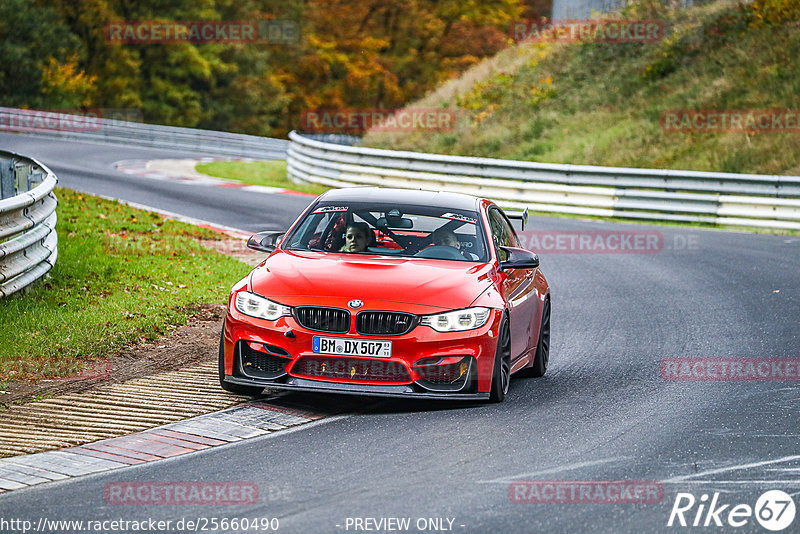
(440, 252)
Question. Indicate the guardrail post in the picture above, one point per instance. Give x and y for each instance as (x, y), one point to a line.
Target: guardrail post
(8, 187)
(34, 178)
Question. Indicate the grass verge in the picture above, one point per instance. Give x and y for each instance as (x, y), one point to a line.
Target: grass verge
(268, 173)
(122, 275)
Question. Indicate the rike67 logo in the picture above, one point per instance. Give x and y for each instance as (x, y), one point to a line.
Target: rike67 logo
(774, 510)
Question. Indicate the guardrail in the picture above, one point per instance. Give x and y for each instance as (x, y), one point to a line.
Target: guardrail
(28, 240)
(770, 201)
(111, 131)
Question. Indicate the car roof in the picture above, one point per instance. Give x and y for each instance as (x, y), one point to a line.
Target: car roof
(416, 197)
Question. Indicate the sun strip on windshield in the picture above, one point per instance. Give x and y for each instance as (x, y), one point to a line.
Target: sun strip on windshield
(459, 217)
(329, 209)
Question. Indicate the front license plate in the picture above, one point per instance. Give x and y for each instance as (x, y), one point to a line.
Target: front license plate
(352, 347)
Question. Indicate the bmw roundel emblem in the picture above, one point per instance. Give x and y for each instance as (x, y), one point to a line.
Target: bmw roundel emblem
(355, 304)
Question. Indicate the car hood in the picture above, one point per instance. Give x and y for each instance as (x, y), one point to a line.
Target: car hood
(331, 279)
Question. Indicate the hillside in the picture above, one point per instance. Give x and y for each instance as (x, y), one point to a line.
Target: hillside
(603, 103)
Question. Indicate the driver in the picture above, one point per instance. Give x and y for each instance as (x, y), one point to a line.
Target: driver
(443, 237)
(357, 237)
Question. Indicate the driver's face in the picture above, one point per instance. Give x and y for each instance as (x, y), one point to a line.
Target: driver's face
(355, 241)
(451, 241)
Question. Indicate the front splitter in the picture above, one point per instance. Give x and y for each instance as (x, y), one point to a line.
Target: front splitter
(402, 391)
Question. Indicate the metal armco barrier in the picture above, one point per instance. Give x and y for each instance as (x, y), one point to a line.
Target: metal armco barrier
(28, 240)
(769, 201)
(102, 130)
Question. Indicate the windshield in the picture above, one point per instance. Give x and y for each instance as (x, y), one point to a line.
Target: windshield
(407, 231)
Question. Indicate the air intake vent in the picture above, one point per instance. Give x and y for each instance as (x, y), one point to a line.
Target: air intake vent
(323, 319)
(259, 364)
(351, 369)
(381, 323)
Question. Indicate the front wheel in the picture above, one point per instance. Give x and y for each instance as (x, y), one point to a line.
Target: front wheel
(238, 389)
(501, 374)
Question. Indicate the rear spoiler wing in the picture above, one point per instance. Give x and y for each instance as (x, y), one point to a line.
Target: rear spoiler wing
(519, 219)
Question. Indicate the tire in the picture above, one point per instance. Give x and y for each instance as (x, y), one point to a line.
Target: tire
(542, 356)
(249, 391)
(501, 373)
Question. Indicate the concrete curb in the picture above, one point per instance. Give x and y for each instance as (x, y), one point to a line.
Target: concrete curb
(245, 421)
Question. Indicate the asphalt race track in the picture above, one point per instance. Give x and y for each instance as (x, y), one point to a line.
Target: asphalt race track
(603, 412)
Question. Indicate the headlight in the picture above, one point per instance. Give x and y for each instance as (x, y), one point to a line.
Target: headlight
(257, 306)
(455, 321)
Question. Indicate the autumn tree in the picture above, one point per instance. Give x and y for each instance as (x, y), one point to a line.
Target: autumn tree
(350, 53)
(37, 51)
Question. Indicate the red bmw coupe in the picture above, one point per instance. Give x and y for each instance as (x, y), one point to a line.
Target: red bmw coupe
(389, 292)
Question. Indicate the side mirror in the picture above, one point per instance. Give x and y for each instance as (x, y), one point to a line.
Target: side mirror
(519, 258)
(265, 241)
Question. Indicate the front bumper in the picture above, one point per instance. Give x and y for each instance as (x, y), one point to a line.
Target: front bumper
(295, 343)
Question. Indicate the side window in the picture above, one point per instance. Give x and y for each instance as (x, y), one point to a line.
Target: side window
(310, 228)
(315, 228)
(502, 233)
(334, 232)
